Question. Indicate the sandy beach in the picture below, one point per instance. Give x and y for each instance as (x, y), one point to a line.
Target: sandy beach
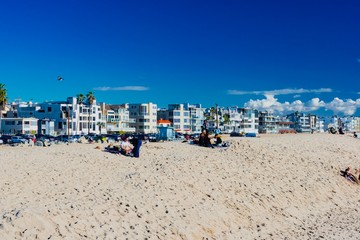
(271, 187)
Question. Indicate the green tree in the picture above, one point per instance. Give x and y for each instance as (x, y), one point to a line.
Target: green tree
(226, 118)
(80, 98)
(90, 98)
(3, 100)
(101, 125)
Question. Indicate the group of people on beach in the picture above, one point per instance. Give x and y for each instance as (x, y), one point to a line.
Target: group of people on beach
(205, 140)
(128, 147)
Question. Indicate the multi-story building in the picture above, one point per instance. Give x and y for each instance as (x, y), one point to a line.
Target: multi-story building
(351, 124)
(196, 116)
(145, 115)
(244, 120)
(305, 123)
(117, 118)
(331, 122)
(178, 115)
(70, 117)
(19, 125)
(268, 123)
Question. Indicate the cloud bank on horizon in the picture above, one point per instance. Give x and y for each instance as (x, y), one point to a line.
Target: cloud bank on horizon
(124, 88)
(270, 103)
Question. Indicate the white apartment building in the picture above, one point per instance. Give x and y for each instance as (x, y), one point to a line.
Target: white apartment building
(178, 115)
(351, 124)
(19, 125)
(69, 116)
(244, 120)
(268, 123)
(306, 123)
(117, 118)
(196, 116)
(145, 115)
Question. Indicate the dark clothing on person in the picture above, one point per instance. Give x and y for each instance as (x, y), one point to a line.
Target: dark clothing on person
(136, 142)
(202, 140)
(218, 140)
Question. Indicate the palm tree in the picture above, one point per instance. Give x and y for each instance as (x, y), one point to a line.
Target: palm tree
(80, 100)
(90, 99)
(3, 100)
(226, 118)
(101, 125)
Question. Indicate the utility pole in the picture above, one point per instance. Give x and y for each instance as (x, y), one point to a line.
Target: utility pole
(217, 117)
(68, 123)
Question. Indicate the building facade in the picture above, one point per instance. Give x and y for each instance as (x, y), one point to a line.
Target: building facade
(19, 125)
(178, 115)
(118, 118)
(145, 115)
(70, 117)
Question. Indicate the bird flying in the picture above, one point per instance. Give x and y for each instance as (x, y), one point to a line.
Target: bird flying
(59, 78)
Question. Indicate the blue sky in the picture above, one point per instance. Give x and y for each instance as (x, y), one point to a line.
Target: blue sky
(275, 55)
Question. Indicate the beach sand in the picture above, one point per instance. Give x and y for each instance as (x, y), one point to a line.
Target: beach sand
(271, 187)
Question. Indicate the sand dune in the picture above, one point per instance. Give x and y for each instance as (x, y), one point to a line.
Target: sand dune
(272, 187)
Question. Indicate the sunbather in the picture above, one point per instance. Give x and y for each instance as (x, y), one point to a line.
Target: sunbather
(126, 146)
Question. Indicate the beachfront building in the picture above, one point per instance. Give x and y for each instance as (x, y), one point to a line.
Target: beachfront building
(301, 122)
(196, 116)
(243, 120)
(145, 115)
(70, 117)
(331, 122)
(268, 123)
(19, 125)
(306, 123)
(250, 120)
(351, 124)
(117, 117)
(46, 126)
(178, 115)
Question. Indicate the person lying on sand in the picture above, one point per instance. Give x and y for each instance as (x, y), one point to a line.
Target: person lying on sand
(349, 176)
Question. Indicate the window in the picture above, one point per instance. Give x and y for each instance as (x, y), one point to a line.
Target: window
(176, 113)
(9, 122)
(49, 109)
(176, 120)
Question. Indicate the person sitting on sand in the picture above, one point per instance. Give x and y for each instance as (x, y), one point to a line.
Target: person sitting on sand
(207, 141)
(355, 135)
(126, 146)
(201, 141)
(218, 140)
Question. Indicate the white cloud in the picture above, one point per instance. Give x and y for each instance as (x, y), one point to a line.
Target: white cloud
(297, 96)
(348, 107)
(280, 91)
(125, 88)
(270, 103)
